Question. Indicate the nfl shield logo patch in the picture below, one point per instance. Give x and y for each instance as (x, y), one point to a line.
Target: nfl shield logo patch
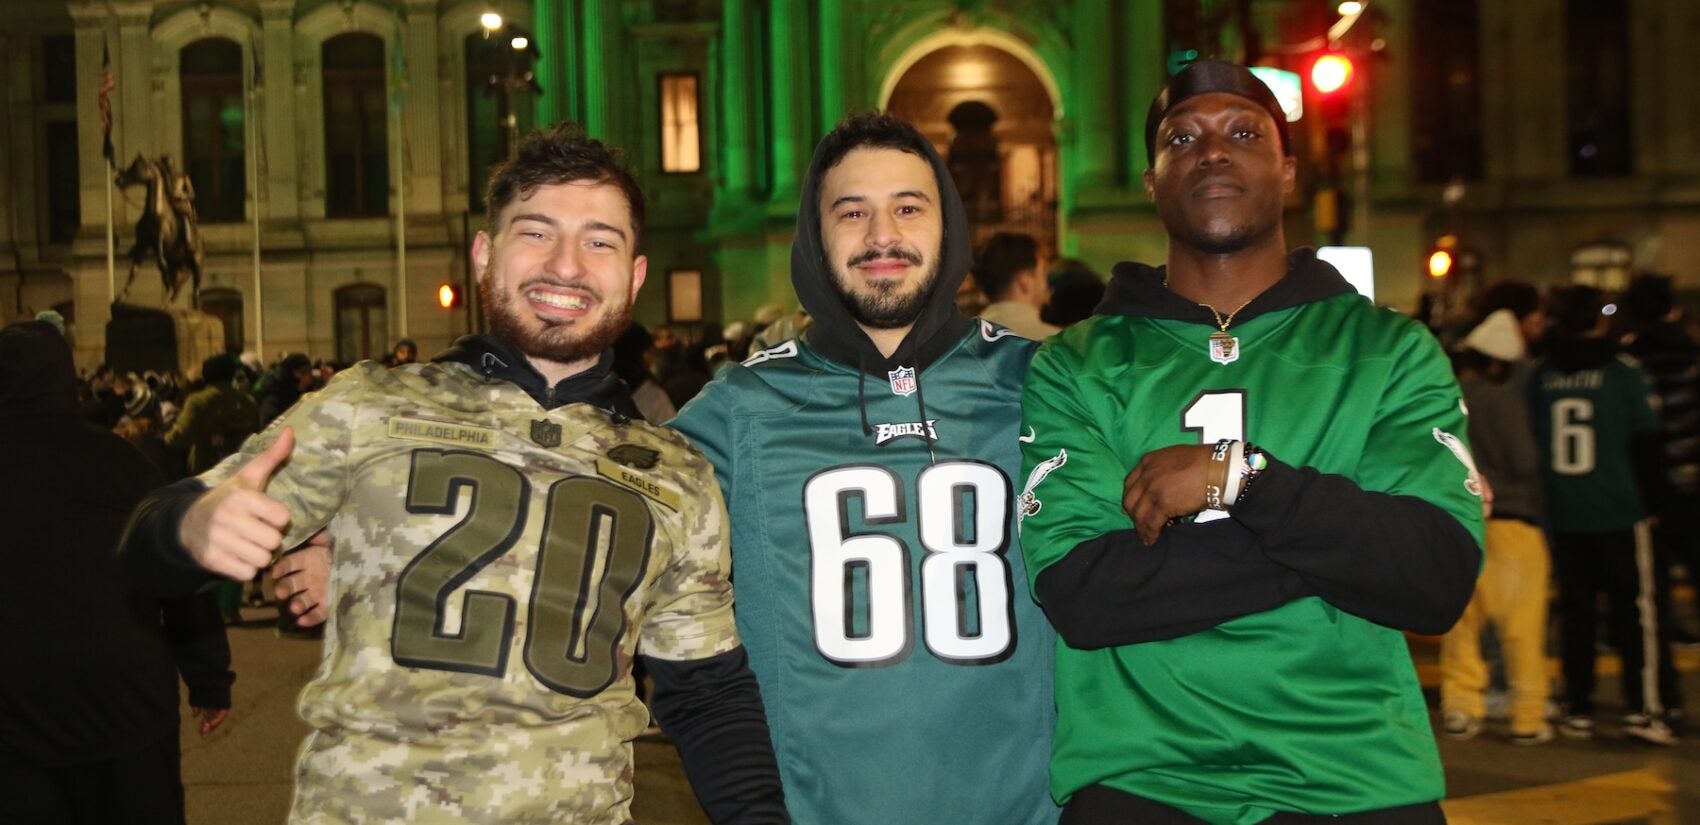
(546, 433)
(902, 381)
(1224, 349)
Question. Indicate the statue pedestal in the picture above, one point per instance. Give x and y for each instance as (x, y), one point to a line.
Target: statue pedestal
(163, 339)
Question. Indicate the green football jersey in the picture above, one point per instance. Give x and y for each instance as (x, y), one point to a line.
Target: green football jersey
(1584, 421)
(1303, 707)
(905, 669)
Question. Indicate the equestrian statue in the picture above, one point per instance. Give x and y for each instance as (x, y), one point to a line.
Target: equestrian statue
(167, 231)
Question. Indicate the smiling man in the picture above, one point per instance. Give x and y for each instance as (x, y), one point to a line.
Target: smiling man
(868, 467)
(1244, 481)
(508, 534)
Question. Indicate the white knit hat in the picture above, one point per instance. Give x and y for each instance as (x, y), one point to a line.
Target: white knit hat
(1497, 336)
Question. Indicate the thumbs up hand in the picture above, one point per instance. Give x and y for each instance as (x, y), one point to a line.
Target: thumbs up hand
(235, 527)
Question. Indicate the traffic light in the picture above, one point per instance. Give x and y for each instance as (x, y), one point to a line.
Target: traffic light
(1440, 257)
(1332, 74)
(1439, 263)
(448, 296)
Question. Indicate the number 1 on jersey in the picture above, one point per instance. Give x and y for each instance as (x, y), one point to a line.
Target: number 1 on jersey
(1215, 416)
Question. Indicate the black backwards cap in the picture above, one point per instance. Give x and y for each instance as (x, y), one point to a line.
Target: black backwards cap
(1206, 76)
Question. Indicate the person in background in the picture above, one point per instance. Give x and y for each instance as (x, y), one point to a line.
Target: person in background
(1076, 291)
(1007, 269)
(295, 376)
(1602, 461)
(630, 363)
(1655, 333)
(405, 352)
(88, 700)
(1511, 594)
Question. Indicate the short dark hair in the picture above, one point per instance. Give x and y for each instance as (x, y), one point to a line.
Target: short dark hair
(1575, 310)
(1002, 257)
(877, 130)
(219, 369)
(560, 155)
(1521, 297)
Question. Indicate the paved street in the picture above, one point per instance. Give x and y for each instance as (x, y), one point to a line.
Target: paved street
(241, 775)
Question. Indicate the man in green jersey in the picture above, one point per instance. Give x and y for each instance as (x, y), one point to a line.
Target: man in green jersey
(1603, 464)
(1231, 614)
(867, 468)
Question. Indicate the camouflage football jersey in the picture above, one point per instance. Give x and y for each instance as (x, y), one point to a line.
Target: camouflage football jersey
(492, 562)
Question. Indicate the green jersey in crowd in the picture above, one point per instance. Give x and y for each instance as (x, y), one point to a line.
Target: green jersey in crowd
(1251, 663)
(1585, 411)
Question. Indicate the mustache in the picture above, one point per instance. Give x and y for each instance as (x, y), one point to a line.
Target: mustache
(896, 254)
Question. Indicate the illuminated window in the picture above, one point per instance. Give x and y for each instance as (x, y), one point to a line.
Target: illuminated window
(681, 142)
(684, 295)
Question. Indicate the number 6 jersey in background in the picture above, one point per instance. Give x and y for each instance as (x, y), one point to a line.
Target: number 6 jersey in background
(881, 592)
(496, 567)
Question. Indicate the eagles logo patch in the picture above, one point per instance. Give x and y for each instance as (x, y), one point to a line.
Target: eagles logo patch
(632, 455)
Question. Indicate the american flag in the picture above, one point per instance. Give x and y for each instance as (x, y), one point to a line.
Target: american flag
(108, 82)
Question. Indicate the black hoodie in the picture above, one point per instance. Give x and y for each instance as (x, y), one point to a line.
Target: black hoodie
(835, 333)
(83, 680)
(1351, 547)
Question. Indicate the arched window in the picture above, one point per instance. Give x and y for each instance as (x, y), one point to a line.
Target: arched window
(213, 115)
(362, 322)
(225, 304)
(357, 149)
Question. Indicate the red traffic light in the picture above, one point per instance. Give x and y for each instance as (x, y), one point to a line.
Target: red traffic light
(1331, 73)
(448, 297)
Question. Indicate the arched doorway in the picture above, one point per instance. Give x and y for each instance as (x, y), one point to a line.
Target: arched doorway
(992, 118)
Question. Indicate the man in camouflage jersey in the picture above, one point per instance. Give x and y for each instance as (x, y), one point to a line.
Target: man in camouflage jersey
(508, 534)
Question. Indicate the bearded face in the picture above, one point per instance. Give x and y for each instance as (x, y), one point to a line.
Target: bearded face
(882, 229)
(558, 279)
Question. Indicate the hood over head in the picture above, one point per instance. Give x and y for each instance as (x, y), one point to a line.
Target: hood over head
(835, 332)
(37, 375)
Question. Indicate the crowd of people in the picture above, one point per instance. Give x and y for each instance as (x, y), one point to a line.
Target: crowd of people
(1585, 422)
(1158, 568)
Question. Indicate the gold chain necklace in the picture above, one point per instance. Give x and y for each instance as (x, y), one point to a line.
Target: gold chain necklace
(1224, 348)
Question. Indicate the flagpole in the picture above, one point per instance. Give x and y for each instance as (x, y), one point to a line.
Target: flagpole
(398, 95)
(251, 144)
(111, 248)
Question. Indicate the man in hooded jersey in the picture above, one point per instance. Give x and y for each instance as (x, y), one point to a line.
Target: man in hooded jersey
(1246, 481)
(868, 467)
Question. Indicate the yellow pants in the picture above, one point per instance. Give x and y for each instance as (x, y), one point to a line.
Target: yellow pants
(1512, 594)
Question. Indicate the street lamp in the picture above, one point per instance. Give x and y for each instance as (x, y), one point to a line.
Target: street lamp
(509, 71)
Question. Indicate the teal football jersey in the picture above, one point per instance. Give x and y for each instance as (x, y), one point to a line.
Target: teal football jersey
(1304, 707)
(1584, 421)
(880, 590)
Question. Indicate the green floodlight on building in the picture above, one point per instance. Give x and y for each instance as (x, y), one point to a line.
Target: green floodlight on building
(1288, 89)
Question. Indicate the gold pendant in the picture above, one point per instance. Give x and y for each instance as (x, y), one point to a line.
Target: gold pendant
(1224, 348)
